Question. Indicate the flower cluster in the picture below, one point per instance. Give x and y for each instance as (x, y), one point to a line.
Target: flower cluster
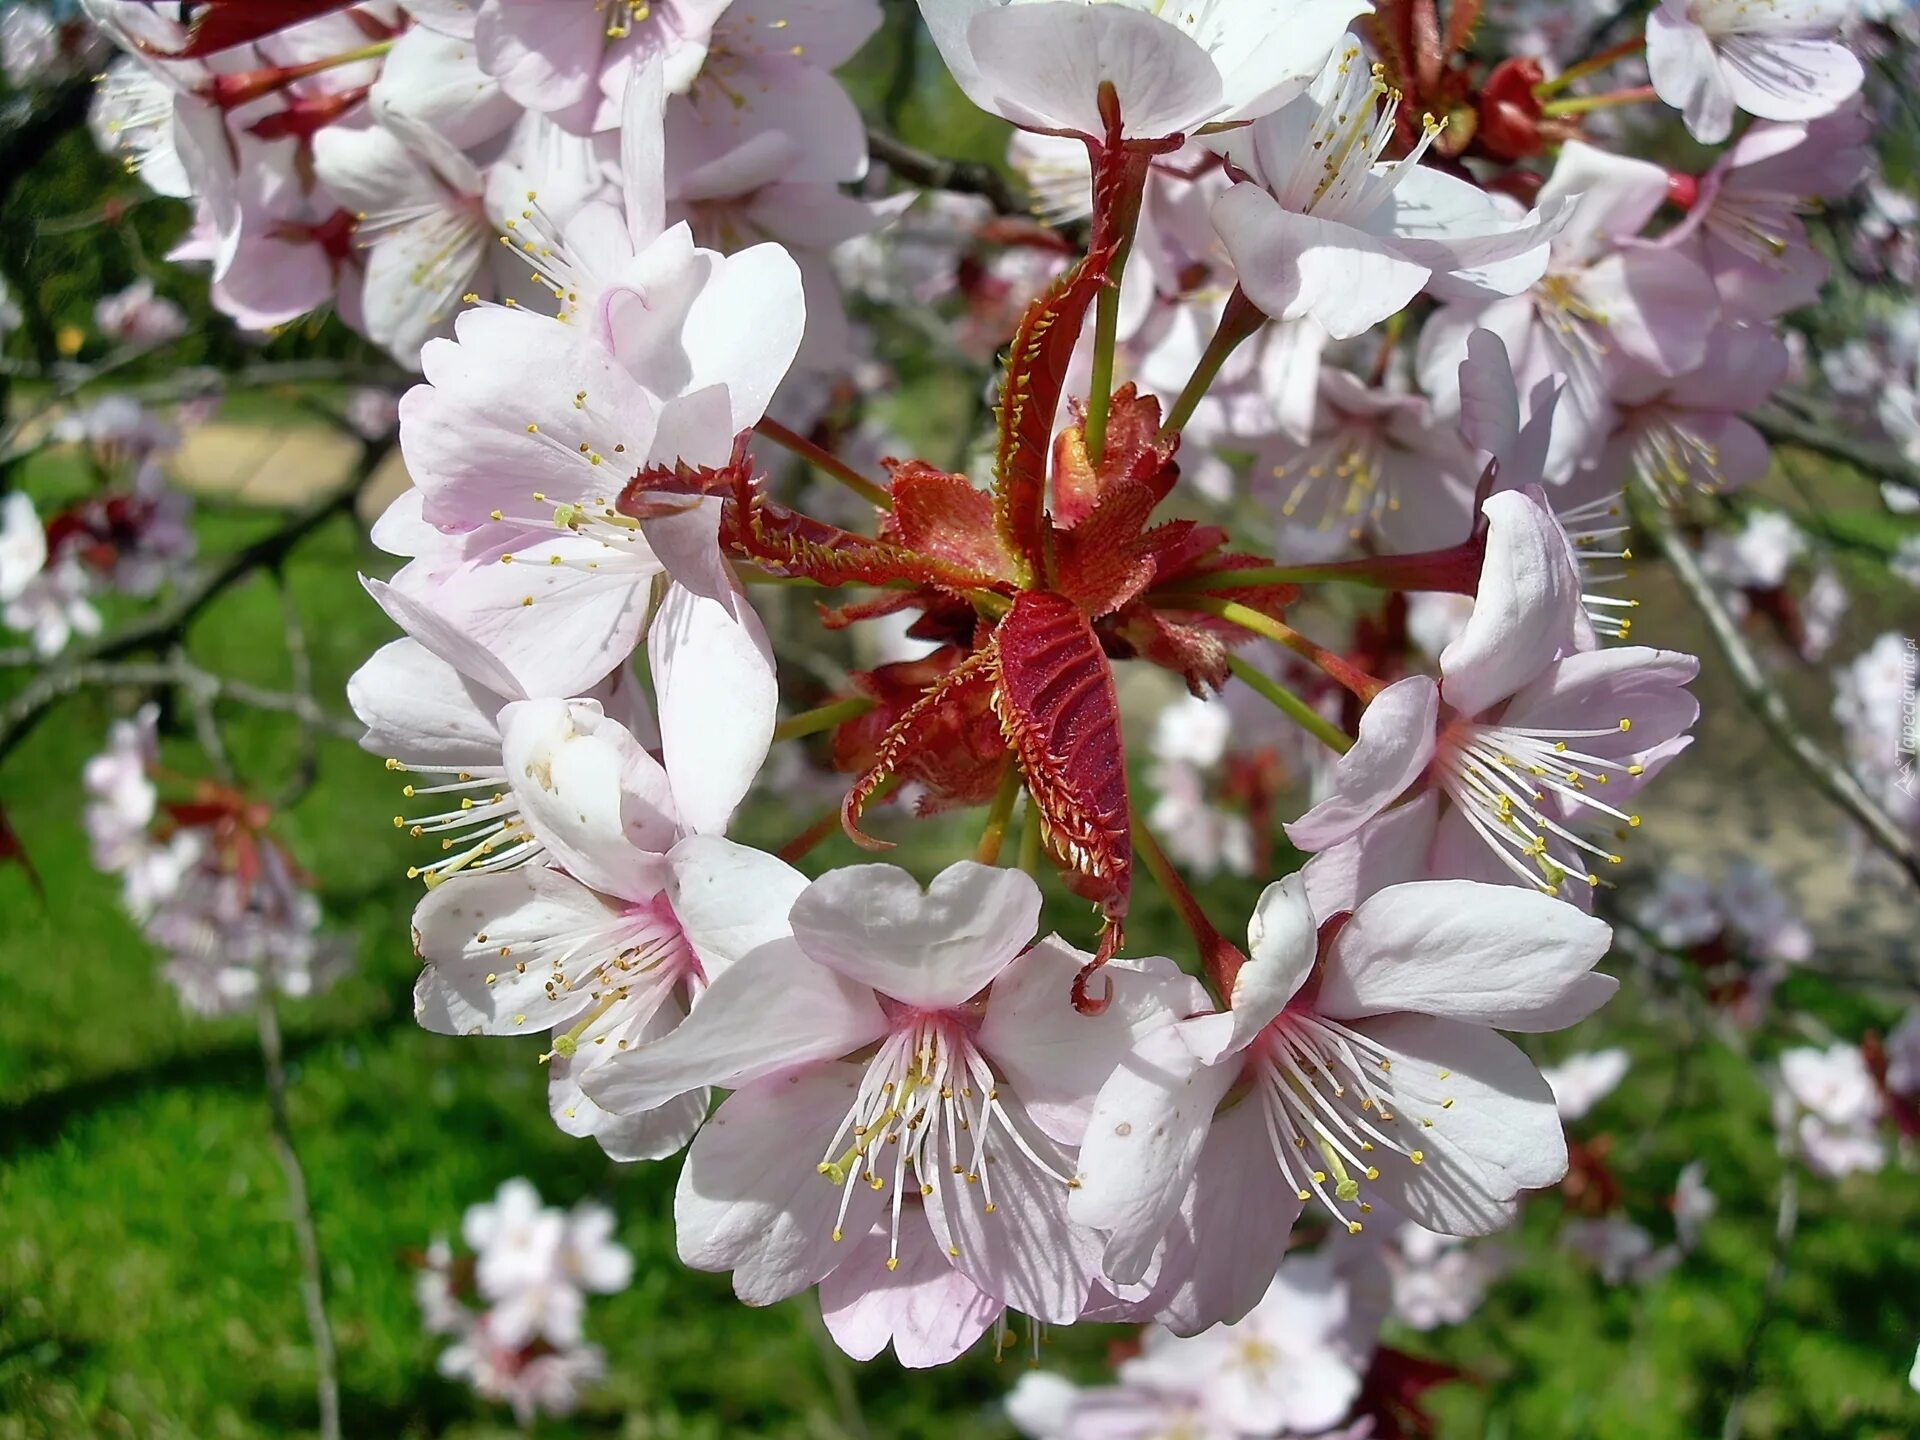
(1344, 285)
(128, 537)
(1834, 1105)
(205, 881)
(532, 1268)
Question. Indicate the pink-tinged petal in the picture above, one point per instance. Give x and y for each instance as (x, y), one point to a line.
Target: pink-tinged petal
(1394, 745)
(1391, 849)
(771, 1010)
(1143, 1139)
(553, 623)
(545, 53)
(643, 154)
(1281, 939)
(1744, 365)
(1449, 224)
(933, 948)
(1523, 616)
(1687, 74)
(745, 328)
(1489, 395)
(1598, 690)
(654, 1134)
(1491, 954)
(928, 1311)
(1790, 77)
(646, 1135)
(468, 930)
(590, 794)
(1658, 306)
(1297, 265)
(476, 439)
(751, 1198)
(714, 679)
(418, 707)
(1234, 1222)
(1613, 196)
(1009, 1232)
(446, 641)
(1055, 1057)
(729, 899)
(1043, 66)
(1501, 1134)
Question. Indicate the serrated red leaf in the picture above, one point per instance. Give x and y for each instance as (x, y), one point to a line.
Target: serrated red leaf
(1103, 562)
(785, 542)
(1043, 346)
(222, 24)
(1135, 453)
(1197, 654)
(1060, 712)
(919, 729)
(958, 756)
(946, 516)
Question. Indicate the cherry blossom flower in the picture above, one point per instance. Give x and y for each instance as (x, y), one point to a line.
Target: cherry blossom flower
(534, 1267)
(1693, 1204)
(1437, 1279)
(1601, 299)
(1520, 734)
(925, 1073)
(137, 316)
(1325, 229)
(608, 950)
(1581, 1082)
(1370, 1070)
(1778, 59)
(1292, 1365)
(1826, 1102)
(44, 597)
(1041, 63)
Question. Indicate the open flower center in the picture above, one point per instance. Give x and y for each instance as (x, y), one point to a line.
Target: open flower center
(480, 831)
(1508, 782)
(1332, 1106)
(928, 1104)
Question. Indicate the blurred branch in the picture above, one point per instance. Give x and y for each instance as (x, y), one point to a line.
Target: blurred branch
(204, 686)
(313, 1294)
(1883, 462)
(1785, 1221)
(166, 622)
(1828, 775)
(935, 172)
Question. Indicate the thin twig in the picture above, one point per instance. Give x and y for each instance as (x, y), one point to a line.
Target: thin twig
(1785, 1221)
(1828, 775)
(840, 1379)
(164, 623)
(935, 172)
(313, 1294)
(1882, 462)
(178, 672)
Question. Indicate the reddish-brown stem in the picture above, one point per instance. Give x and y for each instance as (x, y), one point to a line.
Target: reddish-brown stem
(1588, 66)
(824, 461)
(1221, 958)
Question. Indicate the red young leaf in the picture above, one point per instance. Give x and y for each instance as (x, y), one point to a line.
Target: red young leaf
(922, 726)
(785, 542)
(221, 24)
(1102, 562)
(1197, 654)
(959, 754)
(1134, 452)
(1043, 346)
(1059, 710)
(946, 516)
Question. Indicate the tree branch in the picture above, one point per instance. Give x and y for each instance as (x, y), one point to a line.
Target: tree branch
(1883, 462)
(935, 172)
(166, 622)
(1828, 775)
